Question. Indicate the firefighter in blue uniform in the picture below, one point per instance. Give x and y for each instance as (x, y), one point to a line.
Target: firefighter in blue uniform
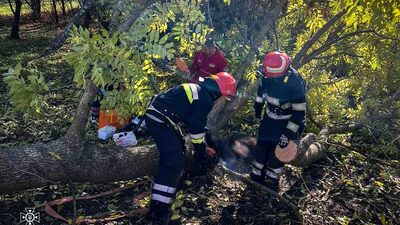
(283, 90)
(187, 103)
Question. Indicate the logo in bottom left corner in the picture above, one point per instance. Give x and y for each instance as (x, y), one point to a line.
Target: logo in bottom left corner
(30, 217)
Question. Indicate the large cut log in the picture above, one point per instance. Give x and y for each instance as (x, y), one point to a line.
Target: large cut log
(37, 165)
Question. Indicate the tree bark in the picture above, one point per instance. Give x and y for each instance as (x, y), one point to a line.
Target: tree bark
(55, 11)
(36, 9)
(17, 19)
(134, 14)
(63, 8)
(41, 164)
(297, 60)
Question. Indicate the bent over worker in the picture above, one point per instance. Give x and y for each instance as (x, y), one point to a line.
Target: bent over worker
(188, 103)
(210, 60)
(283, 89)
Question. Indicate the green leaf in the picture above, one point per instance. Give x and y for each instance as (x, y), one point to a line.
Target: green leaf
(17, 70)
(163, 39)
(55, 155)
(175, 217)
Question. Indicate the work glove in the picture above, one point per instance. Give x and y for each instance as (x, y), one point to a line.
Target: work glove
(283, 141)
(258, 108)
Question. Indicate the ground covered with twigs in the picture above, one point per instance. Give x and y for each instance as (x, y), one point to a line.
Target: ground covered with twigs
(347, 187)
(343, 189)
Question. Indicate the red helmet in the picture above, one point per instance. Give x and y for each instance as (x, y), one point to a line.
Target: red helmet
(226, 83)
(275, 64)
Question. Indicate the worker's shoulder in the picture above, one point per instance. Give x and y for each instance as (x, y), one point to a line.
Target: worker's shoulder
(220, 53)
(294, 78)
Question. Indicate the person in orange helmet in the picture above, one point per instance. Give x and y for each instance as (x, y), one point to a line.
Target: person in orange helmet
(189, 104)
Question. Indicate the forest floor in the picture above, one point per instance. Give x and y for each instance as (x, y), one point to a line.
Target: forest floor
(349, 186)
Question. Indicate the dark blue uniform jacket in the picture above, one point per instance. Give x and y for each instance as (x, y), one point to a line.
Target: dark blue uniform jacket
(284, 113)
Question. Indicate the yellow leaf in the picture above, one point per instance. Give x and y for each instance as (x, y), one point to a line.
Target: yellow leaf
(175, 217)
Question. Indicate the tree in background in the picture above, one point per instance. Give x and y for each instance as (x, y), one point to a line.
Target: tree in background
(17, 18)
(63, 7)
(55, 13)
(36, 9)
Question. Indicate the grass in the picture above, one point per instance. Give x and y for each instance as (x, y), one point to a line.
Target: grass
(25, 9)
(35, 37)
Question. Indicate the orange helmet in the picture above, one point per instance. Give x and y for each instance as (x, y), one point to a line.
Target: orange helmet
(226, 83)
(275, 64)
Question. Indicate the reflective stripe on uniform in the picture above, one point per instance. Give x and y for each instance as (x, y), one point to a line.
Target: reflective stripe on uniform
(277, 117)
(188, 92)
(191, 92)
(154, 118)
(271, 174)
(292, 126)
(195, 94)
(277, 170)
(258, 165)
(256, 172)
(259, 99)
(161, 198)
(197, 138)
(276, 102)
(272, 100)
(164, 188)
(299, 106)
(198, 141)
(274, 173)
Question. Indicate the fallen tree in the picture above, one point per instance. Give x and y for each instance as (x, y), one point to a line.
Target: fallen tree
(69, 159)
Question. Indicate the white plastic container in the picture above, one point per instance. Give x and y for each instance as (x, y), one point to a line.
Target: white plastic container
(106, 132)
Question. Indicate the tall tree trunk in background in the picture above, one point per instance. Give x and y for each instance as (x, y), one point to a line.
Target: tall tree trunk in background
(17, 18)
(63, 7)
(87, 18)
(55, 11)
(36, 9)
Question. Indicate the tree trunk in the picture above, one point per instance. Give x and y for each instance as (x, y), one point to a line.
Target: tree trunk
(63, 7)
(36, 9)
(41, 164)
(55, 11)
(17, 18)
(86, 19)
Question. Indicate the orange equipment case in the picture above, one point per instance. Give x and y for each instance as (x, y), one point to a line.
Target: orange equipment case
(109, 117)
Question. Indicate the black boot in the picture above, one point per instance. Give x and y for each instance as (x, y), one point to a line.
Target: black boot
(272, 183)
(257, 178)
(159, 213)
(272, 177)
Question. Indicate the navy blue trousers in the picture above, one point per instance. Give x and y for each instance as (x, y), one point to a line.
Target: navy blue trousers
(170, 167)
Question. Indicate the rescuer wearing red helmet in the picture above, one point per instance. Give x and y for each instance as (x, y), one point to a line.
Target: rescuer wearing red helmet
(190, 104)
(283, 90)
